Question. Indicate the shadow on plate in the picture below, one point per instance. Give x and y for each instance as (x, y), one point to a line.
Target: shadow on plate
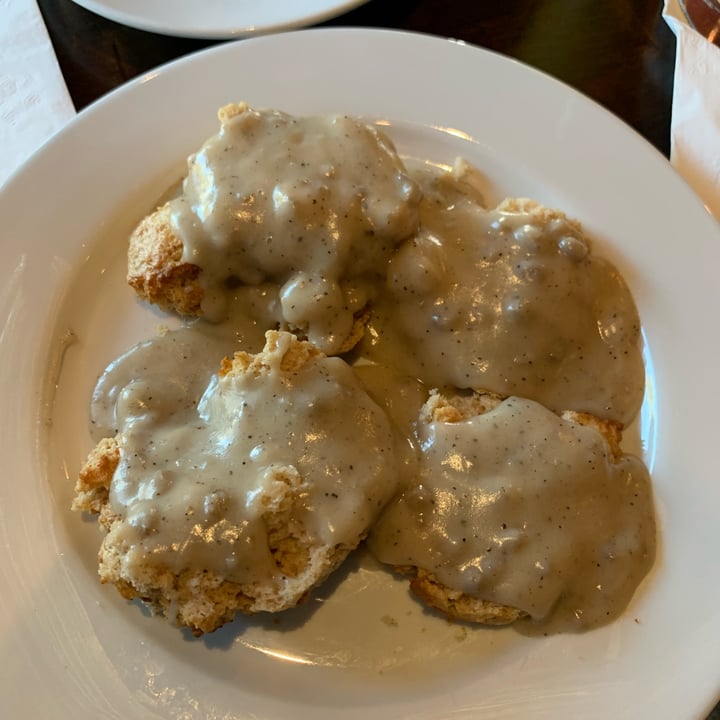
(287, 621)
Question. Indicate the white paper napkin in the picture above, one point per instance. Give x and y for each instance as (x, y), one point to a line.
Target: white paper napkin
(34, 101)
(695, 128)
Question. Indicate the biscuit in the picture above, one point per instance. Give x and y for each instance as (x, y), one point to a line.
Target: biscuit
(425, 585)
(156, 270)
(305, 502)
(313, 205)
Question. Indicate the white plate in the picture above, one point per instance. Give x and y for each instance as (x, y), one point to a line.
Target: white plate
(72, 649)
(218, 18)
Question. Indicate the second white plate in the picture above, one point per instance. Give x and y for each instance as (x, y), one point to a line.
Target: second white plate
(218, 18)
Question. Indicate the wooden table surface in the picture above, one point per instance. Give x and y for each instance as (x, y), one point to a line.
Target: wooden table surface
(618, 52)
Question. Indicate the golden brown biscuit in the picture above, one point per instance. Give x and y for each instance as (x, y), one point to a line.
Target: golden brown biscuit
(426, 586)
(273, 510)
(156, 270)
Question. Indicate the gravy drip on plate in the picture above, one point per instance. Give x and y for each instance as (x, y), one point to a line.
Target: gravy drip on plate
(526, 509)
(512, 301)
(198, 474)
(315, 204)
(177, 365)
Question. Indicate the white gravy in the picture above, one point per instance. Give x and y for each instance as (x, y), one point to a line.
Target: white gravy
(299, 223)
(523, 508)
(316, 205)
(200, 456)
(512, 303)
